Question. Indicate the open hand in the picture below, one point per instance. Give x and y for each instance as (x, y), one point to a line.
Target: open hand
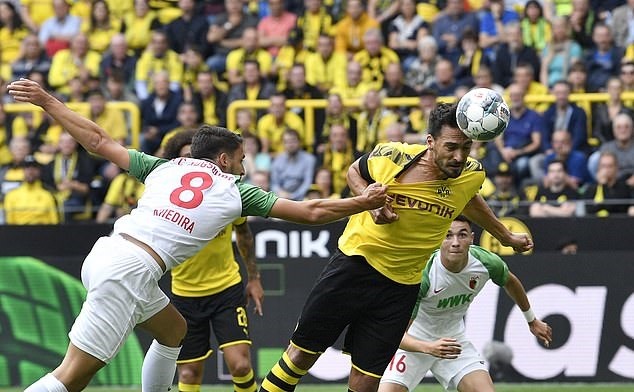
(542, 331)
(25, 90)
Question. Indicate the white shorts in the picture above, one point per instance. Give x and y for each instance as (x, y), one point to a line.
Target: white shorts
(408, 368)
(123, 291)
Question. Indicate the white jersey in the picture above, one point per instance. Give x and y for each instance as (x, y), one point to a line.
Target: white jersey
(185, 204)
(445, 296)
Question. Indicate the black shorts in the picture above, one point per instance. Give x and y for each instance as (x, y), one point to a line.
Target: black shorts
(351, 293)
(225, 312)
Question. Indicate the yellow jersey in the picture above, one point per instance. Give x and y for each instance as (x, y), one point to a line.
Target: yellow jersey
(400, 250)
(30, 204)
(212, 270)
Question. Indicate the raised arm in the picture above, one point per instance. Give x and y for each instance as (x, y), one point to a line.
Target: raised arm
(321, 211)
(479, 212)
(540, 329)
(90, 135)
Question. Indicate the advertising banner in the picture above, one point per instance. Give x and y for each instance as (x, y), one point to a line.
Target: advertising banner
(588, 298)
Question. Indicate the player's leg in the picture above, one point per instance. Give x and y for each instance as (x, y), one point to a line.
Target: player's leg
(476, 381)
(195, 348)
(405, 371)
(467, 373)
(392, 387)
(373, 338)
(231, 327)
(329, 308)
(73, 374)
(168, 328)
(238, 360)
(190, 376)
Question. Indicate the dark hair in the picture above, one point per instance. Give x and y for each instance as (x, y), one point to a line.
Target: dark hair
(174, 145)
(443, 114)
(16, 19)
(535, 3)
(562, 162)
(210, 141)
(462, 218)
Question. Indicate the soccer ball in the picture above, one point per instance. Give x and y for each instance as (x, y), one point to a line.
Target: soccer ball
(482, 114)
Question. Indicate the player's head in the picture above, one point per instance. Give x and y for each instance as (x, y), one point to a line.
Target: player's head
(220, 146)
(455, 246)
(448, 145)
(179, 145)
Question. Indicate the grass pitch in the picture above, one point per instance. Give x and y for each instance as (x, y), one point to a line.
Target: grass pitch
(427, 387)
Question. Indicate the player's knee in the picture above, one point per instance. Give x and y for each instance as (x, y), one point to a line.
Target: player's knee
(240, 367)
(188, 374)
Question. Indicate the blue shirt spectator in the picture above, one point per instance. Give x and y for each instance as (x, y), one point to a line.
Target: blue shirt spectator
(448, 28)
(292, 170)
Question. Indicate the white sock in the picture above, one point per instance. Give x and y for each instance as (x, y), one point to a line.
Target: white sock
(47, 383)
(159, 367)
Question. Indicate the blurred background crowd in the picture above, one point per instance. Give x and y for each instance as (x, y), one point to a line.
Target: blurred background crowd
(566, 151)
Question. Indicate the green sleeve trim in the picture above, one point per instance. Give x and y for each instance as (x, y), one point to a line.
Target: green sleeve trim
(255, 201)
(142, 164)
(424, 284)
(498, 270)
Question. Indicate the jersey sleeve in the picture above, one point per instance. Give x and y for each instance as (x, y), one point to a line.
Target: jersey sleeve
(424, 285)
(142, 164)
(498, 270)
(255, 201)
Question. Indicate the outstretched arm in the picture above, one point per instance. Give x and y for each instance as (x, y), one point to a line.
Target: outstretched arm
(445, 348)
(90, 135)
(246, 247)
(479, 212)
(319, 211)
(540, 329)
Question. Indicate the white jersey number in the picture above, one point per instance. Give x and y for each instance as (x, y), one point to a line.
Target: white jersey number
(190, 194)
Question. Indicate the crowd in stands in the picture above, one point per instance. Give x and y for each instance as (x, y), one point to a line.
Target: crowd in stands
(184, 61)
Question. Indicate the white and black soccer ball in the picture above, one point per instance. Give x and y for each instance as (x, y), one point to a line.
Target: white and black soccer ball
(482, 114)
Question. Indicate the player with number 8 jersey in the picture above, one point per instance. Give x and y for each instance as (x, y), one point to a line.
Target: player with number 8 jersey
(186, 202)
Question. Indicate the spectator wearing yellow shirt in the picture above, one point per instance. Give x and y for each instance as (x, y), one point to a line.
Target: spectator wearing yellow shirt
(314, 22)
(10, 126)
(31, 203)
(355, 88)
(119, 9)
(253, 88)
(139, 26)
(418, 118)
(272, 126)
(158, 57)
(100, 27)
(326, 68)
(77, 61)
(123, 193)
(210, 102)
(250, 50)
(524, 76)
(373, 122)
(108, 118)
(350, 30)
(12, 32)
(337, 156)
(35, 12)
(335, 114)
